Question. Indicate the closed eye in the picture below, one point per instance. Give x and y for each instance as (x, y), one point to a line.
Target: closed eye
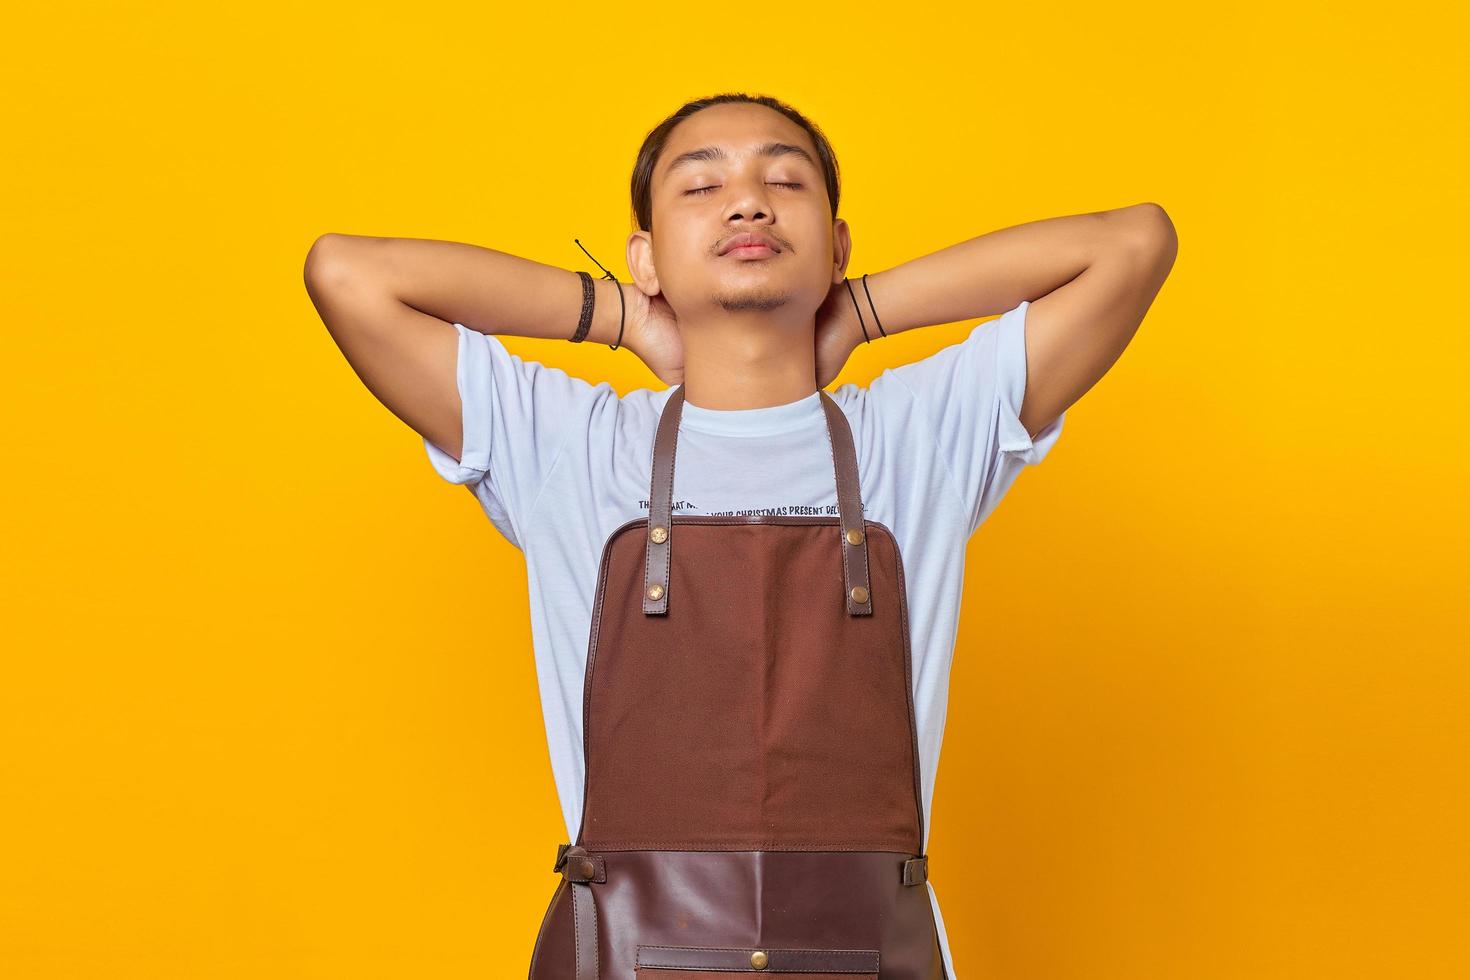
(701, 190)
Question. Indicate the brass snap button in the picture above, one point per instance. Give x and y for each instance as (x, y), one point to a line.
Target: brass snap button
(859, 594)
(659, 535)
(655, 592)
(854, 536)
(759, 959)
(587, 868)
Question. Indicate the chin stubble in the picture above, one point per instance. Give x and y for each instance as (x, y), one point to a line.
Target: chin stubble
(757, 300)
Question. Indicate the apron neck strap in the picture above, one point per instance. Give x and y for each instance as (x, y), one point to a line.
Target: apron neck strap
(851, 526)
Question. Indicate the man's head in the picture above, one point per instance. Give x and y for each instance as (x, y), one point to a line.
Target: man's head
(735, 165)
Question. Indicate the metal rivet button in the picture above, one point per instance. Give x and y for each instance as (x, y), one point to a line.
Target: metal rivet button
(587, 868)
(659, 535)
(655, 592)
(854, 536)
(859, 594)
(759, 959)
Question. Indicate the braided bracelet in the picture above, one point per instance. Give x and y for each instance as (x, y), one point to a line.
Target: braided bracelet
(589, 297)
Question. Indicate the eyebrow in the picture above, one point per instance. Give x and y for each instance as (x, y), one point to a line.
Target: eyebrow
(711, 153)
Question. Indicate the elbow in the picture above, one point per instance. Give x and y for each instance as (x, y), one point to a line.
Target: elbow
(326, 265)
(1147, 233)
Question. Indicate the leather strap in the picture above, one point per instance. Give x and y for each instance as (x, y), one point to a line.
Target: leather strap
(916, 870)
(849, 509)
(806, 962)
(851, 526)
(580, 868)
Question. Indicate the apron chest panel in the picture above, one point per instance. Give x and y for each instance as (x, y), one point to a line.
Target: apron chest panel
(744, 719)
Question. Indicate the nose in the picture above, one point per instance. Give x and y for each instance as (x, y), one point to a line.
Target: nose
(749, 202)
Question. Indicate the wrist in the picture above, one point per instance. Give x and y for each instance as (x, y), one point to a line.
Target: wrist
(608, 312)
(871, 294)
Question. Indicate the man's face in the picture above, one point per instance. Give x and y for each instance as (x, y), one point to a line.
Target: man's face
(736, 169)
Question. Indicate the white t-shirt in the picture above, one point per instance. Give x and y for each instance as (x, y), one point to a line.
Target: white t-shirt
(558, 464)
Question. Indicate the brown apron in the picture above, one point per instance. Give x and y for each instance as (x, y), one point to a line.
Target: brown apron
(752, 797)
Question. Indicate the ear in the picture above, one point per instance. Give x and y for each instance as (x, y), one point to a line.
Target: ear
(640, 262)
(841, 249)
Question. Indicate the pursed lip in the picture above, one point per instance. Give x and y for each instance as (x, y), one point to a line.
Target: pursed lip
(749, 238)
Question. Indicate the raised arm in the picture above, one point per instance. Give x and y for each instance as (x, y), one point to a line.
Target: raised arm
(1090, 278)
(390, 305)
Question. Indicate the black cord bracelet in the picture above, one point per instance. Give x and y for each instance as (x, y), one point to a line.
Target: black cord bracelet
(859, 309)
(872, 307)
(587, 291)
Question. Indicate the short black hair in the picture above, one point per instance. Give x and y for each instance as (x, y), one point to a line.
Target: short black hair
(658, 137)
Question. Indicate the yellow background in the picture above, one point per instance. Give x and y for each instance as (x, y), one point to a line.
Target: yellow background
(268, 706)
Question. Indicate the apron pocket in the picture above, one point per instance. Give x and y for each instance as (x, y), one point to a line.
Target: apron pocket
(718, 962)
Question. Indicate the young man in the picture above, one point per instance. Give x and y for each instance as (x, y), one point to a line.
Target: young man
(739, 294)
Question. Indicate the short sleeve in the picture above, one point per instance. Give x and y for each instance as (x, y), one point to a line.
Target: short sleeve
(517, 415)
(970, 394)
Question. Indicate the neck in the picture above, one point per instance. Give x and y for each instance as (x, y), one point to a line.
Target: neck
(748, 360)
